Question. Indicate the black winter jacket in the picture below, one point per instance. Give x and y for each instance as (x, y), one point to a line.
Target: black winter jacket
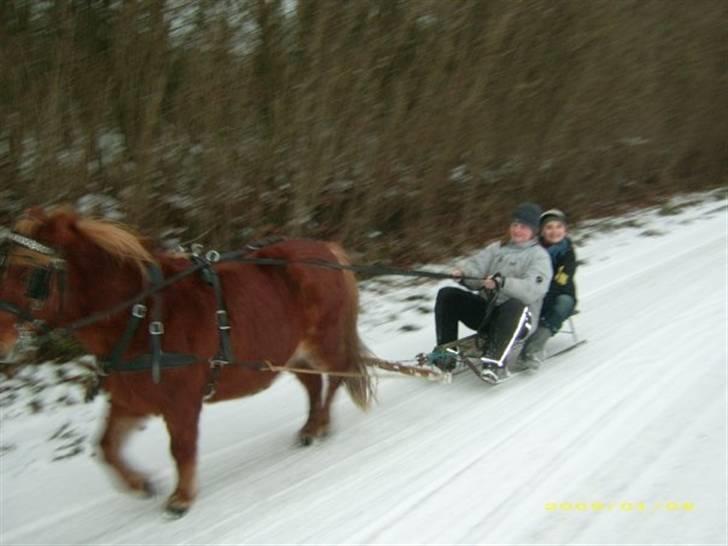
(563, 260)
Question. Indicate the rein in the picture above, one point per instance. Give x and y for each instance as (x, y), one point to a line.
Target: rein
(237, 256)
(203, 264)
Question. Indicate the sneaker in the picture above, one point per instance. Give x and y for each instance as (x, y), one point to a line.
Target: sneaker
(525, 363)
(493, 373)
(534, 348)
(519, 365)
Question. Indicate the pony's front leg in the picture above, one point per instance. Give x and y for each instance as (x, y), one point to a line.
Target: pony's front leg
(182, 424)
(119, 424)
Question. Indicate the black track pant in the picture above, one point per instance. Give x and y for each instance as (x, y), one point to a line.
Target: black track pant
(454, 305)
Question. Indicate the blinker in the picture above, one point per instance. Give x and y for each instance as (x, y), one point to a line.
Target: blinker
(39, 283)
(3, 253)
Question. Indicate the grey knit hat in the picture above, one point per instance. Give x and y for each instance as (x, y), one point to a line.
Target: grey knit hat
(527, 214)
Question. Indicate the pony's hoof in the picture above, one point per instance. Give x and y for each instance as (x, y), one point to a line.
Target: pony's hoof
(142, 488)
(147, 490)
(175, 512)
(309, 434)
(176, 508)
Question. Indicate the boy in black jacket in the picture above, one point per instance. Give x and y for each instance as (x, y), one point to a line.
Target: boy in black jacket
(560, 301)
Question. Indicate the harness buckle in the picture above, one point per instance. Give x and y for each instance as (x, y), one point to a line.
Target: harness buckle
(222, 319)
(212, 256)
(139, 310)
(211, 388)
(217, 362)
(156, 328)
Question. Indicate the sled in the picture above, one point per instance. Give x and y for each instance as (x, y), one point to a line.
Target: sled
(467, 355)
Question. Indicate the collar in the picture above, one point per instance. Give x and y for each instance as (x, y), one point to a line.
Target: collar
(527, 244)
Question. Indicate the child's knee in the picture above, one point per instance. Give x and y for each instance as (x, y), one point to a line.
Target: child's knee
(564, 305)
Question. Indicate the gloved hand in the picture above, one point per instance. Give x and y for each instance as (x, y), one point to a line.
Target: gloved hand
(494, 282)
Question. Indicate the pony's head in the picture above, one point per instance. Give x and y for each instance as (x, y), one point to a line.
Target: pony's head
(51, 256)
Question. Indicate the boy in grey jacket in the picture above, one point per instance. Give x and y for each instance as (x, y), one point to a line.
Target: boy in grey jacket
(519, 272)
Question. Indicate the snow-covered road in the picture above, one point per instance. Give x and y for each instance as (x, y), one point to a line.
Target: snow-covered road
(624, 440)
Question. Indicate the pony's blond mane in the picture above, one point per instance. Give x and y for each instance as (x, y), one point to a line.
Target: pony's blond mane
(118, 240)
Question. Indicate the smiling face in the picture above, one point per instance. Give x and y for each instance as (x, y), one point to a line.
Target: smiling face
(520, 233)
(553, 232)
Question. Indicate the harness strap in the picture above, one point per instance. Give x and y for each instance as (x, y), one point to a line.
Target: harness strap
(166, 360)
(156, 327)
(17, 311)
(156, 359)
(26, 317)
(138, 312)
(224, 353)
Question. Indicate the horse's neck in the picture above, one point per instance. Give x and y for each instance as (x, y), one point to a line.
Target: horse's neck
(96, 289)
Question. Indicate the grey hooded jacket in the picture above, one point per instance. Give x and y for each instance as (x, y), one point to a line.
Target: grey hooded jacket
(526, 268)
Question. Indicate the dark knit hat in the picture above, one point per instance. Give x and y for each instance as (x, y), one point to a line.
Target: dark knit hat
(527, 214)
(553, 214)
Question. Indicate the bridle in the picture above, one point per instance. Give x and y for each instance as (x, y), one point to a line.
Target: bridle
(38, 287)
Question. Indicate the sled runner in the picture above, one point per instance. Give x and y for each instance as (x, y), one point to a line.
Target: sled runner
(467, 353)
(575, 341)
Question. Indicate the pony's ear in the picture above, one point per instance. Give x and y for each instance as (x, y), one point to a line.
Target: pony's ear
(61, 227)
(37, 214)
(30, 220)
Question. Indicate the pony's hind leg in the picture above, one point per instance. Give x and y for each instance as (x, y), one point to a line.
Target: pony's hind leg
(334, 383)
(183, 425)
(119, 424)
(312, 429)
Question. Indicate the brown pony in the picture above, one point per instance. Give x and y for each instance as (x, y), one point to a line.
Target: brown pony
(294, 315)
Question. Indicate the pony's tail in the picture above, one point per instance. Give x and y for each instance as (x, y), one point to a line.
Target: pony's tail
(361, 385)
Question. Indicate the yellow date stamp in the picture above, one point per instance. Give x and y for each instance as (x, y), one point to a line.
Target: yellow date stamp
(621, 506)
